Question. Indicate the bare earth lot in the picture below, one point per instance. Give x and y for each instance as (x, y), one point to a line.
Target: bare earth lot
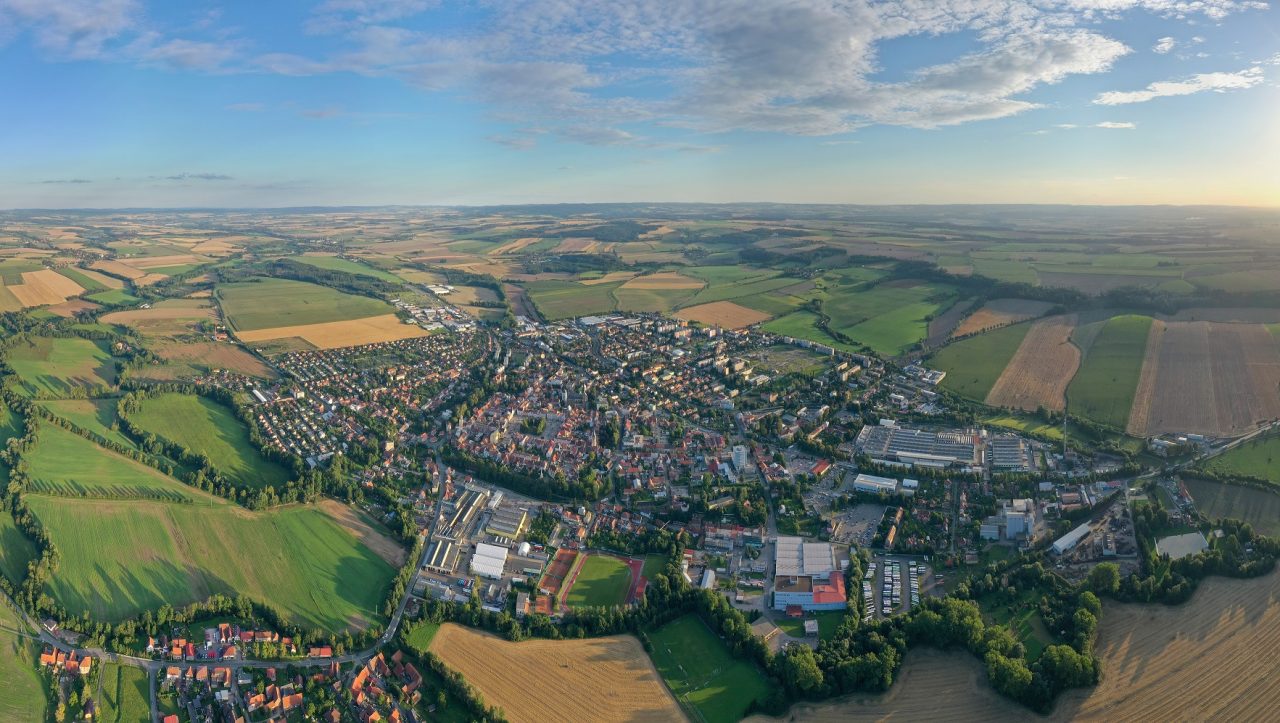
(597, 679)
(724, 314)
(336, 334)
(1041, 369)
(1205, 377)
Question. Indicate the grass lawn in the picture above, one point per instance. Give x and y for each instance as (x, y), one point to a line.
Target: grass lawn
(567, 299)
(53, 367)
(126, 697)
(95, 415)
(270, 303)
(22, 691)
(653, 566)
(827, 623)
(1026, 424)
(122, 557)
(1103, 388)
(602, 582)
(209, 428)
(333, 263)
(702, 673)
(64, 463)
(419, 640)
(1256, 458)
(974, 364)
(1257, 507)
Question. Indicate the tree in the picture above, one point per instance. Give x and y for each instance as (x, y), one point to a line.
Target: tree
(800, 669)
(1105, 578)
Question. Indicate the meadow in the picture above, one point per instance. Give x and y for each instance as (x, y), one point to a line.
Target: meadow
(271, 303)
(714, 686)
(567, 299)
(1215, 500)
(64, 463)
(22, 691)
(602, 581)
(15, 549)
(1104, 388)
(973, 365)
(123, 557)
(333, 263)
(55, 366)
(95, 415)
(890, 317)
(1258, 458)
(209, 428)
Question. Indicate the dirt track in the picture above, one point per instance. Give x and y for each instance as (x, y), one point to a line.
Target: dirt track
(1039, 372)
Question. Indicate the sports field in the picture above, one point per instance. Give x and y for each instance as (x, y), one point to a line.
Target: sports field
(54, 367)
(712, 684)
(973, 365)
(271, 303)
(333, 263)
(22, 692)
(602, 581)
(64, 463)
(122, 557)
(209, 428)
(1104, 388)
(126, 695)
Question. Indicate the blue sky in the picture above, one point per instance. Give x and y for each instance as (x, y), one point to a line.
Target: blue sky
(111, 103)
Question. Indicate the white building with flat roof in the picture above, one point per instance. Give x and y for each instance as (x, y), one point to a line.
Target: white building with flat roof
(489, 561)
(872, 483)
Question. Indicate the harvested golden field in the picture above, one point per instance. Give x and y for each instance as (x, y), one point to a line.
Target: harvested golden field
(932, 686)
(336, 334)
(1000, 312)
(512, 247)
(664, 280)
(420, 277)
(115, 268)
(577, 245)
(215, 247)
(596, 679)
(1039, 372)
(164, 310)
(155, 262)
(724, 314)
(74, 306)
(1210, 659)
(1224, 379)
(45, 286)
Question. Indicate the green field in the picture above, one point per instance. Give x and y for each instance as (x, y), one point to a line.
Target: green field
(114, 297)
(64, 463)
(1258, 458)
(652, 300)
(126, 695)
(54, 367)
(889, 318)
(702, 673)
(1103, 388)
(270, 303)
(567, 299)
(22, 691)
(12, 269)
(420, 635)
(974, 364)
(1259, 508)
(122, 557)
(727, 286)
(211, 429)
(602, 582)
(827, 623)
(95, 415)
(84, 281)
(15, 549)
(333, 263)
(1025, 424)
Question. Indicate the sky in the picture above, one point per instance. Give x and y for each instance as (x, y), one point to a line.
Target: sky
(129, 103)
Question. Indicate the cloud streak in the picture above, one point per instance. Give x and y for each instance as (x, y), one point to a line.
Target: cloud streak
(1204, 82)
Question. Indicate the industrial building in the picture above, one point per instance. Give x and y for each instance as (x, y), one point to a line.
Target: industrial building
(917, 447)
(807, 576)
(442, 557)
(489, 561)
(1016, 520)
(873, 484)
(1008, 453)
(1069, 540)
(507, 522)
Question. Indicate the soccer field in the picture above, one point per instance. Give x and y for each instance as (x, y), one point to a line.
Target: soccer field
(602, 581)
(703, 674)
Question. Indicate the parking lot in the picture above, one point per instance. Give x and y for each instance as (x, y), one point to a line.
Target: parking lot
(895, 583)
(856, 525)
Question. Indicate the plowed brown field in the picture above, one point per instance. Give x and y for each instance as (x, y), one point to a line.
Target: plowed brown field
(1205, 377)
(1039, 372)
(597, 679)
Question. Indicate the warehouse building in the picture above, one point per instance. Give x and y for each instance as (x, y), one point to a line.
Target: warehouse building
(489, 561)
(507, 522)
(917, 447)
(807, 576)
(874, 484)
(1069, 540)
(442, 557)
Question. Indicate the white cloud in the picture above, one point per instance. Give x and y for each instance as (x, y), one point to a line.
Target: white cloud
(1115, 125)
(1164, 45)
(1218, 82)
(76, 29)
